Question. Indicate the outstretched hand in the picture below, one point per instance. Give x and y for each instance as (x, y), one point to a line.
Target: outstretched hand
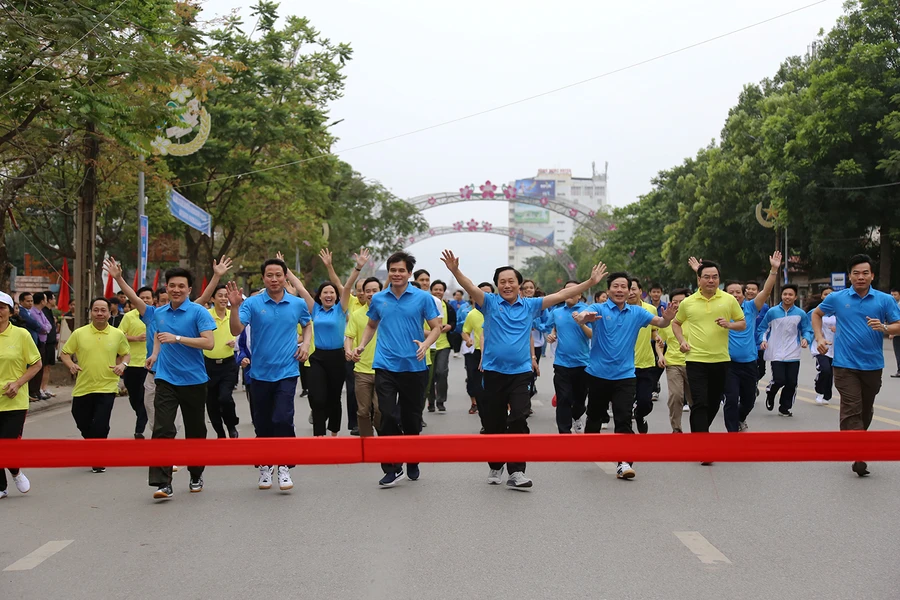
(235, 297)
(669, 312)
(362, 258)
(694, 263)
(222, 267)
(598, 273)
(451, 260)
(325, 255)
(112, 267)
(775, 260)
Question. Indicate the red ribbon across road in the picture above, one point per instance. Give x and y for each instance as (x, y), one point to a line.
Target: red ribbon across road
(713, 447)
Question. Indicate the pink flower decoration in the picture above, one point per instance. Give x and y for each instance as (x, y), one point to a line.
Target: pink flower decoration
(466, 192)
(458, 226)
(432, 201)
(306, 243)
(472, 225)
(573, 212)
(571, 265)
(591, 214)
(412, 239)
(488, 189)
(486, 226)
(545, 201)
(531, 240)
(559, 252)
(509, 191)
(512, 233)
(431, 232)
(613, 227)
(631, 253)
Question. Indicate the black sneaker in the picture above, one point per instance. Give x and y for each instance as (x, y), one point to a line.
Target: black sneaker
(98, 469)
(391, 479)
(424, 424)
(785, 414)
(304, 393)
(642, 425)
(431, 408)
(354, 431)
(196, 485)
(139, 436)
(442, 408)
(233, 433)
(860, 468)
(164, 492)
(770, 403)
(412, 472)
(896, 375)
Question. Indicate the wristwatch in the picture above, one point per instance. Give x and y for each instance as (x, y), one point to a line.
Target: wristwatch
(178, 338)
(124, 363)
(884, 327)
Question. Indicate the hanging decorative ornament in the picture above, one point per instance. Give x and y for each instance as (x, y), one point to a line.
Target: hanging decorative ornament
(193, 118)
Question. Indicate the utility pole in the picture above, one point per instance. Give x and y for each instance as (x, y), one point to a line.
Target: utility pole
(86, 229)
(140, 275)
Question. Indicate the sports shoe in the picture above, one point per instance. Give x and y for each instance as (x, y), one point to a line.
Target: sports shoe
(139, 436)
(518, 481)
(624, 471)
(442, 408)
(706, 464)
(785, 414)
(820, 399)
(686, 408)
(22, 483)
(284, 478)
(431, 408)
(860, 468)
(654, 396)
(196, 485)
(412, 472)
(642, 425)
(233, 433)
(578, 424)
(392, 479)
(265, 477)
(44, 395)
(3, 494)
(164, 492)
(304, 393)
(604, 426)
(354, 431)
(896, 375)
(98, 469)
(770, 402)
(826, 401)
(473, 410)
(742, 426)
(310, 418)
(495, 477)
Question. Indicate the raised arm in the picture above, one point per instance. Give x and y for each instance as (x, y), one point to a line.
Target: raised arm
(235, 298)
(666, 318)
(597, 275)
(361, 259)
(763, 295)
(325, 255)
(452, 262)
(219, 270)
(115, 271)
(298, 285)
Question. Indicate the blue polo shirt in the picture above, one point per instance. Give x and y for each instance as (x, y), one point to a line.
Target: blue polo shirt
(150, 323)
(573, 348)
(400, 322)
(615, 335)
(275, 334)
(759, 328)
(507, 333)
(856, 345)
(178, 364)
(330, 325)
(742, 345)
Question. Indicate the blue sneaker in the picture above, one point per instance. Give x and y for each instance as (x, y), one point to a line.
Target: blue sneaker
(391, 479)
(412, 471)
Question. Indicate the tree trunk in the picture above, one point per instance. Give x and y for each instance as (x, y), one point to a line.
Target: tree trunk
(84, 281)
(885, 261)
(5, 267)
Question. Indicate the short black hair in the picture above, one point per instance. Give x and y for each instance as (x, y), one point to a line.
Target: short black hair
(487, 283)
(732, 282)
(38, 297)
(146, 288)
(499, 270)
(893, 289)
(419, 272)
(708, 264)
(455, 292)
(858, 259)
(221, 286)
(179, 272)
(120, 292)
(791, 286)
(656, 286)
(828, 287)
(373, 279)
(100, 299)
(438, 282)
(598, 294)
(273, 261)
(637, 281)
(415, 284)
(322, 286)
(49, 295)
(403, 257)
(23, 295)
(756, 283)
(618, 275)
(571, 281)
(159, 292)
(679, 292)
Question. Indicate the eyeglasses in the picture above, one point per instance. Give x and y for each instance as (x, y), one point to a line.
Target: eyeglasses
(709, 277)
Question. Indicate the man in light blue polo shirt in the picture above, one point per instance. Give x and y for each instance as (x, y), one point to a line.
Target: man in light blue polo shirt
(401, 375)
(506, 357)
(864, 315)
(273, 315)
(573, 353)
(611, 376)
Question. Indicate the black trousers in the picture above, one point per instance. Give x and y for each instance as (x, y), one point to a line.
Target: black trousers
(538, 351)
(34, 384)
(134, 382)
(824, 375)
(12, 422)
(602, 393)
(740, 393)
(91, 413)
(223, 376)
(350, 383)
(784, 378)
(169, 398)
(455, 340)
(896, 343)
(761, 365)
(645, 384)
(570, 384)
(327, 373)
(502, 390)
(707, 383)
(400, 401)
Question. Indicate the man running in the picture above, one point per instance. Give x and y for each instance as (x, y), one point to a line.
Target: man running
(751, 290)
(787, 330)
(222, 370)
(573, 353)
(672, 360)
(864, 315)
(473, 335)
(824, 368)
(646, 372)
(506, 358)
(440, 353)
(136, 374)
(368, 414)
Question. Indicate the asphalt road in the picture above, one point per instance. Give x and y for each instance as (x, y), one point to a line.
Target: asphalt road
(788, 530)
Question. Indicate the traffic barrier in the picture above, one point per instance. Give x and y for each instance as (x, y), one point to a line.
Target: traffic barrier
(712, 447)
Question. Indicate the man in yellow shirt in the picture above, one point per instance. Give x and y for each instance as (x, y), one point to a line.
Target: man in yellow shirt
(20, 361)
(368, 415)
(473, 337)
(645, 370)
(102, 353)
(673, 362)
(440, 352)
(222, 369)
(136, 374)
(711, 314)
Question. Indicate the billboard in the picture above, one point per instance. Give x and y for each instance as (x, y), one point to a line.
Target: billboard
(533, 188)
(529, 214)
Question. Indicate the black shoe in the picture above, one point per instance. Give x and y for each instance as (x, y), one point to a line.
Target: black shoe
(233, 433)
(757, 392)
(98, 469)
(139, 436)
(441, 408)
(482, 430)
(164, 492)
(642, 425)
(424, 424)
(896, 375)
(196, 485)
(412, 472)
(354, 431)
(785, 414)
(431, 408)
(860, 468)
(304, 393)
(770, 403)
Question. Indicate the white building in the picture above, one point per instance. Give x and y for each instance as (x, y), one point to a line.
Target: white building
(554, 229)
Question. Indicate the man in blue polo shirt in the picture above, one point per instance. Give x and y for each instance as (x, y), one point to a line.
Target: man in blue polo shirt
(573, 352)
(506, 357)
(611, 376)
(864, 315)
(273, 316)
(401, 375)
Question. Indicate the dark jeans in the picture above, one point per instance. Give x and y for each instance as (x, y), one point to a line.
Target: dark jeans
(327, 373)
(91, 413)
(273, 407)
(352, 405)
(455, 340)
(12, 422)
(473, 375)
(223, 376)
(437, 377)
(538, 351)
(645, 385)
(304, 377)
(896, 343)
(400, 401)
(858, 390)
(169, 398)
(502, 390)
(707, 383)
(34, 384)
(570, 384)
(740, 393)
(784, 378)
(134, 382)
(761, 365)
(824, 375)
(602, 393)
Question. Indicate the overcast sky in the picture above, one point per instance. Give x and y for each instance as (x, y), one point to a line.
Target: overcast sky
(418, 63)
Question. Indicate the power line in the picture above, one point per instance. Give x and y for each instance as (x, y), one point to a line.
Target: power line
(515, 102)
(862, 187)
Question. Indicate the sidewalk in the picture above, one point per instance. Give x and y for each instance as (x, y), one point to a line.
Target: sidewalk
(63, 396)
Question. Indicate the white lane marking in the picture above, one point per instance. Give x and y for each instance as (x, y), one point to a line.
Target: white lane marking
(607, 467)
(700, 546)
(38, 556)
(537, 402)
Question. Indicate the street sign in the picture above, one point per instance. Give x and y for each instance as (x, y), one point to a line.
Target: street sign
(145, 243)
(187, 212)
(838, 281)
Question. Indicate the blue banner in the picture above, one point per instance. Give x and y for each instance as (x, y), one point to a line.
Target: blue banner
(145, 243)
(535, 188)
(187, 212)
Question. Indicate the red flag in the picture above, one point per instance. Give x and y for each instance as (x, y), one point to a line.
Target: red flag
(64, 298)
(108, 293)
(205, 283)
(156, 281)
(134, 285)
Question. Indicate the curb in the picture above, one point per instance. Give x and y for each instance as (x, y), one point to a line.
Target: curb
(39, 406)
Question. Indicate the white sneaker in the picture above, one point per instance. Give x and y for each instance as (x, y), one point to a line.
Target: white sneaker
(174, 468)
(3, 494)
(826, 402)
(686, 408)
(624, 471)
(495, 477)
(284, 478)
(742, 426)
(265, 477)
(820, 400)
(578, 424)
(604, 426)
(518, 480)
(22, 483)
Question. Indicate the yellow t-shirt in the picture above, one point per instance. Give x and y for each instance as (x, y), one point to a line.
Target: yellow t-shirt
(132, 325)
(222, 335)
(442, 341)
(312, 339)
(643, 353)
(674, 355)
(474, 326)
(96, 351)
(17, 353)
(353, 305)
(356, 324)
(709, 342)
